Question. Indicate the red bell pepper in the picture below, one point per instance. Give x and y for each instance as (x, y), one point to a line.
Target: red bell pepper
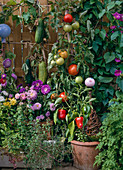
(79, 122)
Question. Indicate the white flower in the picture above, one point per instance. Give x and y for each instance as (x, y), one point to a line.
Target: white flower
(5, 93)
(2, 99)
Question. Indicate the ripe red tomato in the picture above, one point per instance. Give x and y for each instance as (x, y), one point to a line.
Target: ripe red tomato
(61, 114)
(72, 70)
(63, 96)
(68, 18)
(79, 122)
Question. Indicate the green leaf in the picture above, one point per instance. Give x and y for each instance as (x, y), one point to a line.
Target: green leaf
(88, 25)
(119, 81)
(71, 127)
(109, 57)
(26, 16)
(102, 34)
(110, 5)
(121, 41)
(31, 1)
(102, 13)
(105, 79)
(55, 116)
(11, 2)
(92, 1)
(114, 35)
(95, 46)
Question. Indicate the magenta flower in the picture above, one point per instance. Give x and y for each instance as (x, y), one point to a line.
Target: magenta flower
(19, 86)
(52, 107)
(14, 76)
(17, 96)
(117, 60)
(4, 85)
(47, 114)
(117, 72)
(37, 106)
(45, 89)
(112, 27)
(117, 15)
(23, 96)
(32, 94)
(7, 63)
(3, 76)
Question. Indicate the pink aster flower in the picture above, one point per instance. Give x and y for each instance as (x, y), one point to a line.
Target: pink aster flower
(117, 72)
(32, 94)
(37, 106)
(117, 60)
(47, 114)
(23, 96)
(4, 84)
(10, 95)
(41, 117)
(17, 96)
(21, 103)
(45, 89)
(116, 15)
(52, 107)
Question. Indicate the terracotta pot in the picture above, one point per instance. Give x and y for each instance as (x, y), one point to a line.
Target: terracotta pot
(84, 154)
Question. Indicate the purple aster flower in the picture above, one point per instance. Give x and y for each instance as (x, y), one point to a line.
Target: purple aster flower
(14, 76)
(37, 84)
(116, 15)
(117, 72)
(7, 63)
(52, 107)
(32, 94)
(45, 89)
(3, 76)
(112, 27)
(19, 86)
(38, 117)
(117, 60)
(10, 95)
(37, 106)
(22, 90)
(47, 114)
(41, 117)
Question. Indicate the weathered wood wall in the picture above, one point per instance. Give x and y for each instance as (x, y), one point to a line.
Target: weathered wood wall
(20, 40)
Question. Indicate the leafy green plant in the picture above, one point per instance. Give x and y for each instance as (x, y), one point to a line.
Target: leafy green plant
(42, 153)
(111, 137)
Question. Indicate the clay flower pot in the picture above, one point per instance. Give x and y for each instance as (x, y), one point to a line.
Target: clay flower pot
(84, 154)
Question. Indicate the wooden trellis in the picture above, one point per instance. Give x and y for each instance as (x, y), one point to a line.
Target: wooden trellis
(21, 39)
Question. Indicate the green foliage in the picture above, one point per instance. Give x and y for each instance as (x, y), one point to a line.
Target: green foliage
(111, 137)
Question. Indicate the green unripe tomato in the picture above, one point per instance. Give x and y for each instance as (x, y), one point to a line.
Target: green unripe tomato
(67, 28)
(60, 61)
(75, 25)
(55, 57)
(53, 62)
(79, 79)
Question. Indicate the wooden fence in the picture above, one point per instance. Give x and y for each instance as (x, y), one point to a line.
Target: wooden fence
(21, 40)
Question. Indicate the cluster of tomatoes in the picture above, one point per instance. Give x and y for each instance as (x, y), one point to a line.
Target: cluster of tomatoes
(67, 27)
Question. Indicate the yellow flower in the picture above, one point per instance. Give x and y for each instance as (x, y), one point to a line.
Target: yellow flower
(6, 104)
(12, 101)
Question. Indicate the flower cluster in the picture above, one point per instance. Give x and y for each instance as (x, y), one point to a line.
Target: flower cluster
(36, 98)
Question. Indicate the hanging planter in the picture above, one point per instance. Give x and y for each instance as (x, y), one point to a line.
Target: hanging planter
(5, 31)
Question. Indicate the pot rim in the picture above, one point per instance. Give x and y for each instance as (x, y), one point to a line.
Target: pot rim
(74, 142)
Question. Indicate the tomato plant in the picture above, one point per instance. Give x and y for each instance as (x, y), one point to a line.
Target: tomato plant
(67, 28)
(72, 70)
(68, 18)
(79, 122)
(63, 96)
(75, 25)
(61, 114)
(60, 61)
(63, 54)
